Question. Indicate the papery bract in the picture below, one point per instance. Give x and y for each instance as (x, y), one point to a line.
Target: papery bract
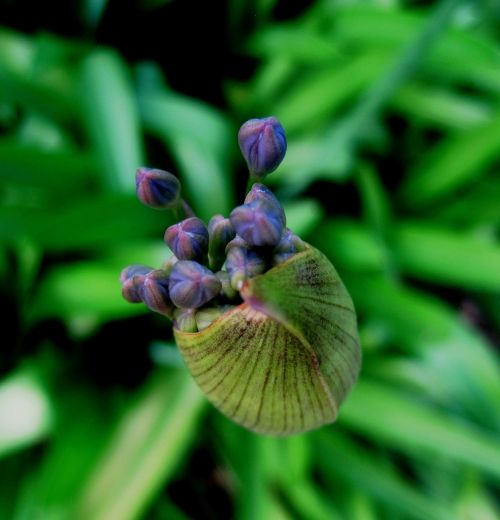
(283, 361)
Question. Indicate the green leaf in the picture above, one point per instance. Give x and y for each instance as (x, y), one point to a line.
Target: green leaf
(26, 410)
(112, 120)
(200, 141)
(58, 171)
(449, 258)
(88, 223)
(403, 423)
(373, 475)
(283, 361)
(90, 290)
(303, 215)
(455, 355)
(145, 449)
(455, 162)
(427, 252)
(441, 107)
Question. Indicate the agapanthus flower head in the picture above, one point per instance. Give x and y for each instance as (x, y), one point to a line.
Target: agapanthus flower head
(192, 285)
(154, 292)
(263, 145)
(157, 188)
(188, 239)
(221, 232)
(259, 223)
(274, 302)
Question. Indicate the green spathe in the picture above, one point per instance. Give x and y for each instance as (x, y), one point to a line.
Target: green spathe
(283, 361)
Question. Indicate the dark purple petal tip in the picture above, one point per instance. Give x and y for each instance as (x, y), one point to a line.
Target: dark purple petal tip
(192, 285)
(263, 145)
(188, 239)
(157, 188)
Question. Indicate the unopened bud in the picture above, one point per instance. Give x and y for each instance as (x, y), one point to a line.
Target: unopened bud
(192, 285)
(243, 263)
(157, 188)
(227, 290)
(188, 239)
(133, 270)
(185, 320)
(154, 292)
(263, 145)
(132, 278)
(221, 232)
(288, 246)
(259, 223)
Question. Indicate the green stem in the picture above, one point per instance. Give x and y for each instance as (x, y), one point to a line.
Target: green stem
(183, 210)
(252, 179)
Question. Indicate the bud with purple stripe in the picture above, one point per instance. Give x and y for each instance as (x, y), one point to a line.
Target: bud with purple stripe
(260, 222)
(192, 285)
(157, 188)
(155, 294)
(263, 145)
(188, 239)
(132, 278)
(242, 262)
(221, 232)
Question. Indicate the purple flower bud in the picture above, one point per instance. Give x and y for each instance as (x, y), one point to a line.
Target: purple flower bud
(132, 278)
(132, 270)
(288, 246)
(185, 320)
(243, 263)
(188, 239)
(237, 241)
(259, 223)
(221, 232)
(154, 292)
(157, 188)
(261, 192)
(131, 288)
(263, 145)
(192, 285)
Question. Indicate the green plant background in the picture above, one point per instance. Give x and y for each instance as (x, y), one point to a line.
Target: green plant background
(392, 110)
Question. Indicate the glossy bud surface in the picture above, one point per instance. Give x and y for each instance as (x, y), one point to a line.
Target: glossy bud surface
(188, 239)
(192, 285)
(155, 294)
(259, 223)
(263, 145)
(157, 188)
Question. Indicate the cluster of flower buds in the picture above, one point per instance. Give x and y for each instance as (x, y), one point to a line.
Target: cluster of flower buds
(210, 263)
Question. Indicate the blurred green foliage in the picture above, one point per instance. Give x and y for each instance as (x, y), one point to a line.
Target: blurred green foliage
(393, 117)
